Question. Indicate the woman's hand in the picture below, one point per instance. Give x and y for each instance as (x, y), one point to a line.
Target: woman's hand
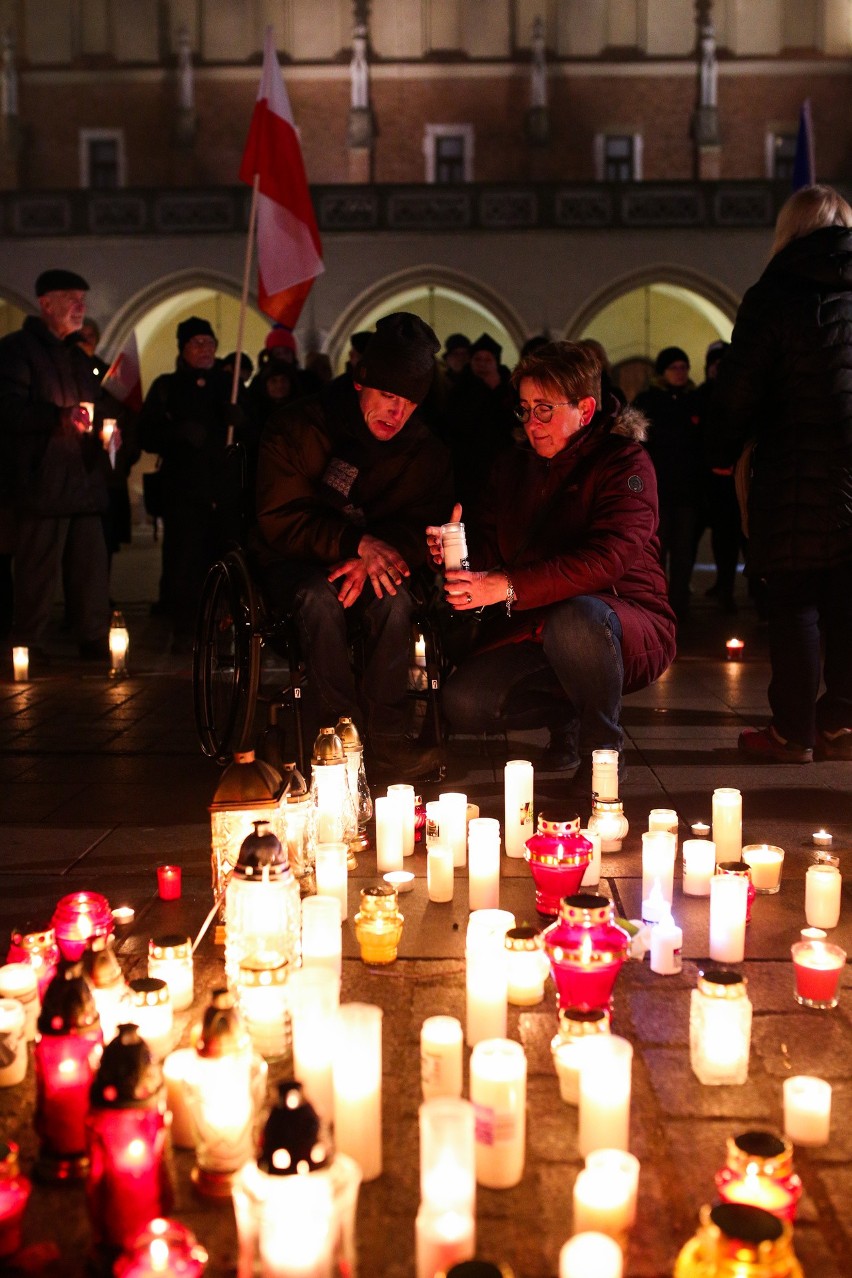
(465, 590)
(433, 536)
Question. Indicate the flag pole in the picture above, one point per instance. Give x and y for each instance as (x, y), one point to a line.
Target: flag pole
(235, 381)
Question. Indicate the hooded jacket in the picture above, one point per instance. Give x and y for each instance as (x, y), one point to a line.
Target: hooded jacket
(787, 384)
(582, 523)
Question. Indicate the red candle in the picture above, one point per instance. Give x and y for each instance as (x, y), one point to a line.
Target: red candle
(817, 966)
(127, 1183)
(734, 650)
(78, 919)
(67, 1051)
(164, 1248)
(168, 882)
(14, 1195)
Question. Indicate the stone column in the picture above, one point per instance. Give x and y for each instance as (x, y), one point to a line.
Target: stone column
(360, 134)
(10, 131)
(705, 119)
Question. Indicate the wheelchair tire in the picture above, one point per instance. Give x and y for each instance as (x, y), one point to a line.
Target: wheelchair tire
(227, 660)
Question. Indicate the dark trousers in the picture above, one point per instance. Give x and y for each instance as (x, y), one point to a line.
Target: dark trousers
(723, 515)
(192, 542)
(75, 546)
(679, 521)
(804, 607)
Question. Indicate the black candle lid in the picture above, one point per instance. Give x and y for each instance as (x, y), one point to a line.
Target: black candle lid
(293, 1143)
(128, 1076)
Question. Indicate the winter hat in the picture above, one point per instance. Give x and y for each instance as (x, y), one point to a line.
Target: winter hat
(670, 355)
(400, 357)
(486, 343)
(193, 327)
(715, 352)
(456, 342)
(358, 341)
(279, 336)
(54, 280)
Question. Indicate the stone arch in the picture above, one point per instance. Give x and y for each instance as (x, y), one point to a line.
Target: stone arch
(703, 286)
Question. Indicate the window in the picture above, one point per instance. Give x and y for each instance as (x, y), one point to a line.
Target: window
(448, 149)
(618, 157)
(780, 156)
(102, 159)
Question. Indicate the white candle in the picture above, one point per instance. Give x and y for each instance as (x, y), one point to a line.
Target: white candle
(177, 1068)
(654, 906)
(297, 1227)
(602, 1197)
(605, 773)
(333, 874)
(700, 829)
(659, 849)
(699, 866)
(400, 880)
(518, 780)
(322, 942)
(822, 839)
(13, 1043)
(822, 895)
(728, 824)
(388, 835)
(498, 1089)
(447, 1154)
(592, 876)
(605, 1086)
(807, 1110)
(766, 863)
(471, 812)
(358, 1086)
(486, 975)
(484, 864)
(591, 1255)
(528, 967)
(150, 1007)
(619, 1162)
(666, 947)
(170, 960)
(442, 1239)
(433, 822)
(119, 643)
(314, 1000)
(403, 797)
(21, 664)
(663, 819)
(453, 821)
(441, 1040)
(332, 788)
(439, 872)
(728, 902)
(19, 981)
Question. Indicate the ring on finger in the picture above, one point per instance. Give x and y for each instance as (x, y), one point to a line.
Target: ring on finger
(469, 597)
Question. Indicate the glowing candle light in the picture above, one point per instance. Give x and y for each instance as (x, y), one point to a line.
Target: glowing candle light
(807, 1110)
(20, 664)
(518, 780)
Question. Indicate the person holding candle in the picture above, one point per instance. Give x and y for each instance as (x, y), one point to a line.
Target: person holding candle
(567, 566)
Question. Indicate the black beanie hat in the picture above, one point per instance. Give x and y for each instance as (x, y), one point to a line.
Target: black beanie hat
(670, 355)
(55, 280)
(193, 327)
(486, 343)
(456, 342)
(715, 352)
(399, 357)
(358, 341)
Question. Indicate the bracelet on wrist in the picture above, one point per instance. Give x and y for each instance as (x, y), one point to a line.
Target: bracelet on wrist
(511, 597)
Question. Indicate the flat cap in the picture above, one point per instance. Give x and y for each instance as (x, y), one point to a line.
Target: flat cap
(54, 280)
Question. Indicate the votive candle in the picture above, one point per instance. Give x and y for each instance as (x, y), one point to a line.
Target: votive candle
(441, 1040)
(332, 874)
(591, 1255)
(358, 1086)
(402, 797)
(817, 967)
(322, 942)
(605, 1087)
(765, 862)
(807, 1110)
(177, 1068)
(699, 866)
(483, 853)
(602, 1199)
(168, 882)
(605, 773)
(822, 896)
(21, 664)
(659, 849)
(498, 1090)
(592, 875)
(453, 822)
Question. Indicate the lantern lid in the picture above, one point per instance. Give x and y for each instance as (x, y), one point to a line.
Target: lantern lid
(68, 1006)
(261, 855)
(247, 782)
(379, 901)
(222, 1030)
(293, 1143)
(733, 867)
(128, 1076)
(9, 1165)
(557, 826)
(764, 1151)
(349, 734)
(117, 620)
(263, 970)
(148, 991)
(295, 787)
(172, 945)
(328, 748)
(747, 1224)
(101, 965)
(720, 982)
(521, 939)
(583, 1020)
(586, 907)
(607, 805)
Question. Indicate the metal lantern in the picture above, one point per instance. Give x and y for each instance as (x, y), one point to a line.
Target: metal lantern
(250, 790)
(262, 908)
(109, 988)
(336, 820)
(359, 790)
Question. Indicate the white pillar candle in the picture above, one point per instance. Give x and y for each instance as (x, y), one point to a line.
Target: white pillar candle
(728, 824)
(591, 1255)
(728, 903)
(170, 960)
(472, 812)
(19, 980)
(654, 906)
(441, 1040)
(619, 1161)
(498, 1089)
(440, 879)
(441, 1240)
(483, 851)
(663, 819)
(659, 849)
(605, 773)
(486, 974)
(388, 835)
(433, 822)
(333, 874)
(177, 1068)
(402, 796)
(447, 1154)
(119, 644)
(765, 862)
(358, 1086)
(13, 1043)
(453, 822)
(332, 788)
(314, 1001)
(602, 1201)
(20, 664)
(807, 1110)
(322, 942)
(699, 866)
(666, 947)
(592, 876)
(822, 895)
(605, 1085)
(518, 780)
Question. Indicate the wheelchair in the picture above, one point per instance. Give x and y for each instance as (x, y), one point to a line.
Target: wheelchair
(235, 627)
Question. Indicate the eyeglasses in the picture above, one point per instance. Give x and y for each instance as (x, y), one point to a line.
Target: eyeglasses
(542, 412)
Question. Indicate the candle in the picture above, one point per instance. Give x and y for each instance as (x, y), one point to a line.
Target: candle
(484, 864)
(728, 903)
(165, 1248)
(605, 773)
(822, 895)
(402, 801)
(609, 821)
(441, 1057)
(758, 1171)
(378, 924)
(728, 824)
(817, 967)
(663, 819)
(620, 1163)
(19, 981)
(177, 1068)
(448, 1154)
(13, 1043)
(518, 779)
(822, 839)
(123, 915)
(21, 664)
(813, 934)
(486, 975)
(322, 942)
(720, 1028)
(150, 1008)
(699, 866)
(734, 649)
(659, 849)
(471, 812)
(433, 822)
(654, 906)
(333, 874)
(314, 1002)
(807, 1110)
(119, 643)
(591, 1255)
(264, 1003)
(453, 822)
(602, 1197)
(592, 875)
(399, 880)
(700, 829)
(420, 652)
(442, 1240)
(765, 862)
(666, 946)
(439, 872)
(528, 967)
(498, 1089)
(170, 960)
(168, 882)
(575, 1028)
(389, 834)
(358, 1086)
(605, 1085)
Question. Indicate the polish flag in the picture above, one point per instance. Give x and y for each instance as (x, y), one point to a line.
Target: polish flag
(289, 253)
(123, 378)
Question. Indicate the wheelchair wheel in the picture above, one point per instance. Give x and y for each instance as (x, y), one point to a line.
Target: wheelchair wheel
(227, 659)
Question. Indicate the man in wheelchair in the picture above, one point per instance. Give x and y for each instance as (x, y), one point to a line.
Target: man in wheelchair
(347, 480)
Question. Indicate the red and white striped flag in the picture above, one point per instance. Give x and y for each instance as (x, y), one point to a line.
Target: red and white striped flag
(123, 378)
(289, 252)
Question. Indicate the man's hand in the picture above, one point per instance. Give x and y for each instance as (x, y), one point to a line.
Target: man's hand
(352, 575)
(377, 562)
(433, 536)
(76, 418)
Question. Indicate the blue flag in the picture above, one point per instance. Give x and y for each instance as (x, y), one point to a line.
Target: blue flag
(804, 169)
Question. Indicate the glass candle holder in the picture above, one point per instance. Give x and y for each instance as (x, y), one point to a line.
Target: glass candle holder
(823, 886)
(402, 799)
(576, 1025)
(263, 998)
(378, 924)
(20, 664)
(817, 966)
(322, 939)
(728, 907)
(759, 1170)
(736, 1239)
(164, 1248)
(336, 820)
(169, 882)
(483, 861)
(486, 975)
(79, 919)
(605, 774)
(262, 903)
(766, 863)
(36, 946)
(591, 1255)
(13, 1042)
(527, 966)
(356, 777)
(659, 849)
(727, 823)
(609, 821)
(314, 1004)
(109, 988)
(606, 1065)
(332, 873)
(440, 881)
(586, 950)
(15, 1191)
(452, 820)
(558, 855)
(720, 1028)
(807, 1110)
(19, 981)
(389, 834)
(358, 1086)
(119, 643)
(170, 960)
(150, 1007)
(743, 870)
(665, 819)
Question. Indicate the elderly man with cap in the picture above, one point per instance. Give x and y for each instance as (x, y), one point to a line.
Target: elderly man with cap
(53, 468)
(346, 481)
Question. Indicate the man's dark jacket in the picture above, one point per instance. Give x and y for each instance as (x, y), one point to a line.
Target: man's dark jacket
(185, 420)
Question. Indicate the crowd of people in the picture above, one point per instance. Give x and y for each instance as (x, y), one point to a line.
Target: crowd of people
(583, 513)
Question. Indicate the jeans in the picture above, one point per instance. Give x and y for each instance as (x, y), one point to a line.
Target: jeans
(379, 706)
(801, 608)
(573, 679)
(75, 546)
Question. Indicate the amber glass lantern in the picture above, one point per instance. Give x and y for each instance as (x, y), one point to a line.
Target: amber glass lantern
(586, 950)
(557, 855)
(250, 790)
(734, 1240)
(378, 924)
(759, 1171)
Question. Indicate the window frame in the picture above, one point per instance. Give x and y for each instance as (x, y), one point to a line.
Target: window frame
(87, 137)
(432, 133)
(637, 157)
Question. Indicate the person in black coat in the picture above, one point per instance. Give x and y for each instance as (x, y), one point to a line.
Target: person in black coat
(787, 385)
(480, 419)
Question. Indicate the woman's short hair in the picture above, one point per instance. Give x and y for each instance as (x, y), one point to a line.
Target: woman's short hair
(566, 370)
(809, 209)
